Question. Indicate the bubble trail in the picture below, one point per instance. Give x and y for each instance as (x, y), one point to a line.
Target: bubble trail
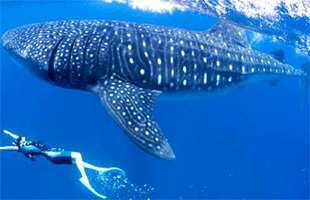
(115, 186)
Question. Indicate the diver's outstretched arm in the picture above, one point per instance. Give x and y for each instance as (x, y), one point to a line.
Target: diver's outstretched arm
(11, 134)
(77, 158)
(9, 148)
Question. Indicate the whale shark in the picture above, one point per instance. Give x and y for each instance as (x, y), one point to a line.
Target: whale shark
(128, 65)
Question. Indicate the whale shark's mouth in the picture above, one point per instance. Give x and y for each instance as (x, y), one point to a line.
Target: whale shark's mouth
(9, 41)
(6, 38)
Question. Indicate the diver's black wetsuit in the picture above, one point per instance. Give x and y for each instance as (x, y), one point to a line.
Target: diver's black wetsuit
(35, 148)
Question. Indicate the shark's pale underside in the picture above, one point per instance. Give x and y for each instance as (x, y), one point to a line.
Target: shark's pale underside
(128, 65)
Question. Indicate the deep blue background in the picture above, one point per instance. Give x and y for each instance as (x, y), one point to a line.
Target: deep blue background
(247, 143)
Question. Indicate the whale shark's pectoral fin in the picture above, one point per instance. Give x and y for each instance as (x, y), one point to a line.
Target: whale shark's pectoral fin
(132, 107)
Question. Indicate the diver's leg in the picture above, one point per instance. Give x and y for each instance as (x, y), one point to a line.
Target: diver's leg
(103, 170)
(77, 159)
(9, 148)
(59, 157)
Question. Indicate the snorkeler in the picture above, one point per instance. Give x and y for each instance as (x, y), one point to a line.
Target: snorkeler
(31, 149)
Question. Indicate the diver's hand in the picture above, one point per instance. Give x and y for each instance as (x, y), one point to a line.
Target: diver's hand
(11, 148)
(31, 157)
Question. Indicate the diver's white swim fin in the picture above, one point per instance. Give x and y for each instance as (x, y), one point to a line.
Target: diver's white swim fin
(114, 170)
(106, 170)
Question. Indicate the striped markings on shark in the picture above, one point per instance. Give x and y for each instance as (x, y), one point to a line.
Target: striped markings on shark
(128, 65)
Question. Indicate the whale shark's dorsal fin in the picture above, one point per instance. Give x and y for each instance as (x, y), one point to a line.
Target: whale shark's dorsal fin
(230, 33)
(278, 54)
(131, 107)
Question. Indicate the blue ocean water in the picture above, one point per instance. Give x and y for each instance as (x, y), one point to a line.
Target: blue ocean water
(249, 143)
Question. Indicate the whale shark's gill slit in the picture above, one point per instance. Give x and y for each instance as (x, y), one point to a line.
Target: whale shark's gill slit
(69, 57)
(100, 59)
(98, 49)
(84, 57)
(52, 59)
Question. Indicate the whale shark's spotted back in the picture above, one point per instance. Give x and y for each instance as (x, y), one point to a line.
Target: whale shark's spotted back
(128, 65)
(76, 53)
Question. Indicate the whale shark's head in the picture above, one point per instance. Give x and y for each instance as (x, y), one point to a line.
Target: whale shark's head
(28, 49)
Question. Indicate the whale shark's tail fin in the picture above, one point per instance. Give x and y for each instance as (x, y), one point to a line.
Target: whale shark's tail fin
(304, 84)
